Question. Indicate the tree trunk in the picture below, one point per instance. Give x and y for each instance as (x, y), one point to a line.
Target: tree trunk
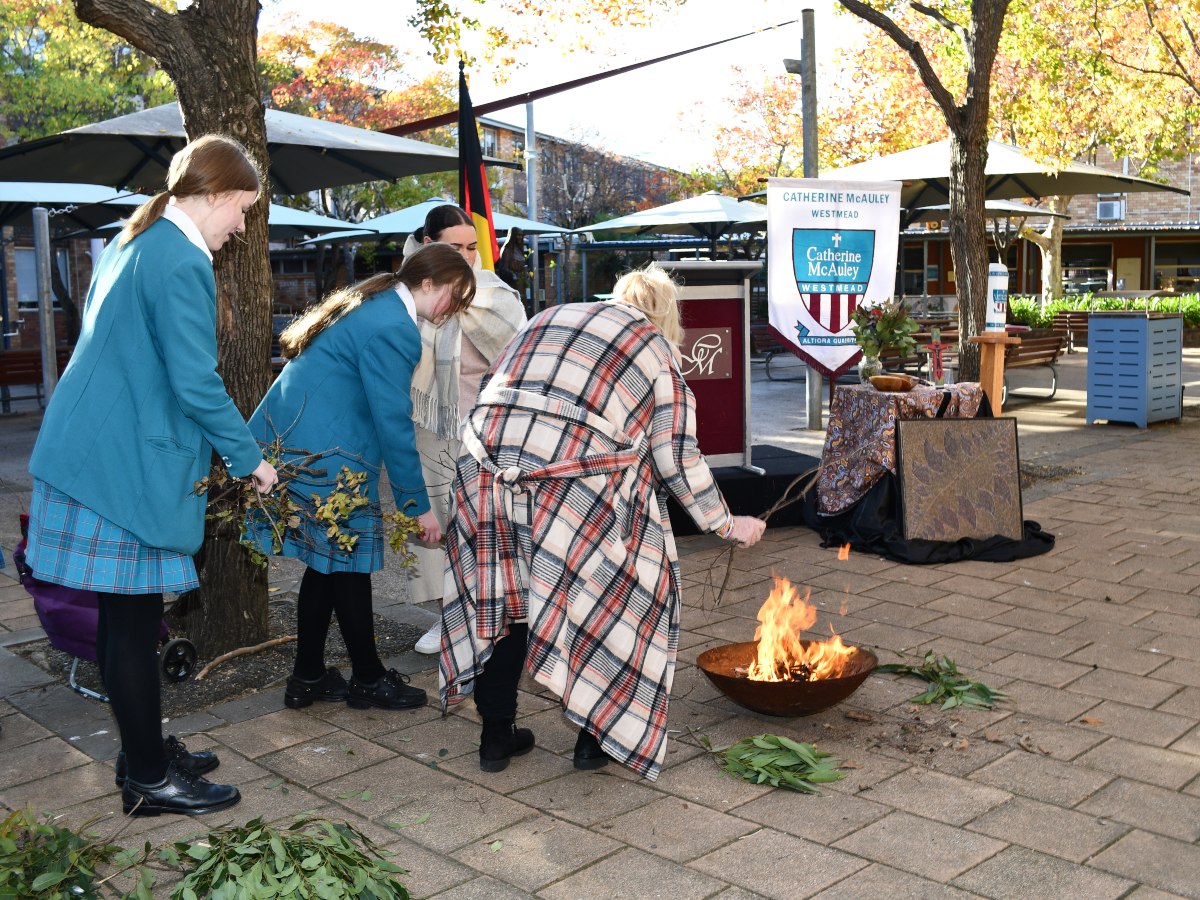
(209, 51)
(70, 310)
(969, 245)
(1051, 247)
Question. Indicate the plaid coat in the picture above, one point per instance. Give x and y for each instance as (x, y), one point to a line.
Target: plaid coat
(559, 519)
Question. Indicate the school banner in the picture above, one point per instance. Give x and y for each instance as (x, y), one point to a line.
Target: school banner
(831, 249)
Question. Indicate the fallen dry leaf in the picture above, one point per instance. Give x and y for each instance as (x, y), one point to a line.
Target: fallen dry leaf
(995, 737)
(850, 764)
(856, 716)
(1090, 720)
(962, 745)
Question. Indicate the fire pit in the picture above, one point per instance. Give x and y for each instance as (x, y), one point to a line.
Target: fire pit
(778, 673)
(780, 698)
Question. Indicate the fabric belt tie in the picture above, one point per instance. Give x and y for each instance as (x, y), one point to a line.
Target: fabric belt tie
(501, 595)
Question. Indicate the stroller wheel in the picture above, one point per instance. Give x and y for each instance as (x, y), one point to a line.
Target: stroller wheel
(177, 659)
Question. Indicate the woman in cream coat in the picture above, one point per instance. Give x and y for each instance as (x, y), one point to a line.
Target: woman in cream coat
(453, 359)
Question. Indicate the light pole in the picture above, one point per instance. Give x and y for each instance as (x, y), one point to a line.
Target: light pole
(806, 68)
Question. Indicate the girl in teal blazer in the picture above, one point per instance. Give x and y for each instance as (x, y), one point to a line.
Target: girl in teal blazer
(344, 395)
(130, 428)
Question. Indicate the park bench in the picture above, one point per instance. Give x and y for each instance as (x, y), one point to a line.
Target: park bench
(23, 368)
(764, 344)
(1034, 351)
(1072, 325)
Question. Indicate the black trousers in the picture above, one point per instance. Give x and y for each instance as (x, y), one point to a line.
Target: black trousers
(496, 686)
(348, 594)
(127, 655)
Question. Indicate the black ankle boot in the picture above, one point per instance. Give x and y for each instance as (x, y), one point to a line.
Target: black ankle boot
(588, 752)
(501, 741)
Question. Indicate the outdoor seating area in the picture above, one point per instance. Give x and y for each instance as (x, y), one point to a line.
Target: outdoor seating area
(1040, 352)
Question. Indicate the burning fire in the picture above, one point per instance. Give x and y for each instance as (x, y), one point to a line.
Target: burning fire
(781, 655)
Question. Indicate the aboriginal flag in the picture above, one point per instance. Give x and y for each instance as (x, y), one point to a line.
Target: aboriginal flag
(472, 180)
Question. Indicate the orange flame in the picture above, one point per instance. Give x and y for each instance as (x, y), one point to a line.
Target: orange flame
(782, 656)
(844, 552)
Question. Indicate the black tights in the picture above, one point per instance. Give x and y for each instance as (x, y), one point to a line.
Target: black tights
(126, 653)
(496, 685)
(349, 595)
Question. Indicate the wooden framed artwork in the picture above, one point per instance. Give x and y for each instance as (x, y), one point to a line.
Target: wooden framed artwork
(959, 478)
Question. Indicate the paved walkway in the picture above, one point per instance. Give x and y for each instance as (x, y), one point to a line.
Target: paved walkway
(1087, 785)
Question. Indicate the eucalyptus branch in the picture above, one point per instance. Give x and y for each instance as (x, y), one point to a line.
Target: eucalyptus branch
(942, 97)
(941, 19)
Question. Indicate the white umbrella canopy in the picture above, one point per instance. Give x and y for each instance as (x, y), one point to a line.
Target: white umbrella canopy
(992, 209)
(283, 222)
(1010, 174)
(72, 206)
(133, 151)
(406, 221)
(709, 215)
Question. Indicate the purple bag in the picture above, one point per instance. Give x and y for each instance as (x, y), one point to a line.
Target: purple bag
(70, 616)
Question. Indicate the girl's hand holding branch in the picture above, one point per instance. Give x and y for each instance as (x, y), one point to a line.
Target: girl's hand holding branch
(264, 477)
(432, 531)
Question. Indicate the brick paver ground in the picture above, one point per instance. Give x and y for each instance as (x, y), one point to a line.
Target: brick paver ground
(1086, 785)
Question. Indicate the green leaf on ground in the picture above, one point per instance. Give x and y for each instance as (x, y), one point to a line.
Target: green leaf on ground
(948, 686)
(777, 761)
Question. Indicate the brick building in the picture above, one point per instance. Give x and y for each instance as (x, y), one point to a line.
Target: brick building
(1140, 241)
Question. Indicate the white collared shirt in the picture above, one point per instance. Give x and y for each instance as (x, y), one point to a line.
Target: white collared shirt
(184, 223)
(409, 303)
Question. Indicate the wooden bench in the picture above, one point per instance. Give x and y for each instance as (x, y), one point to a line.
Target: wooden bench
(894, 361)
(1072, 325)
(23, 368)
(764, 344)
(1034, 351)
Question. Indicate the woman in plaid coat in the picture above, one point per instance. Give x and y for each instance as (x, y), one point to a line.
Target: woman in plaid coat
(561, 550)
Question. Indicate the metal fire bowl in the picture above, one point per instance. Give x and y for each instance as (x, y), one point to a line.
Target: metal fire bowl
(780, 698)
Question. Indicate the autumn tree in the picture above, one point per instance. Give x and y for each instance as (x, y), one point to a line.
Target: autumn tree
(326, 71)
(963, 94)
(58, 73)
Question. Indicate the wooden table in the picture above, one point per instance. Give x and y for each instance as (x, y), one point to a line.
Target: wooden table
(860, 444)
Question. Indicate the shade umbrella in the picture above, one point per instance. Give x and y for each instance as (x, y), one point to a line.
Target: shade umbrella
(992, 209)
(70, 205)
(1010, 174)
(406, 221)
(283, 222)
(133, 151)
(709, 215)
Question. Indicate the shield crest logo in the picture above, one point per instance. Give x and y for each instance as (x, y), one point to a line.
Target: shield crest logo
(832, 268)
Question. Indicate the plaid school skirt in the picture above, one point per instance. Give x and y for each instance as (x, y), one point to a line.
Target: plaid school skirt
(72, 545)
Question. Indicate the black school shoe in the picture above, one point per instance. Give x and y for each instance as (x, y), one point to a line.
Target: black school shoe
(301, 692)
(179, 792)
(588, 752)
(392, 691)
(196, 763)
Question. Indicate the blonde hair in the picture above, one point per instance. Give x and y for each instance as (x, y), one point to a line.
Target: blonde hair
(212, 164)
(655, 293)
(439, 263)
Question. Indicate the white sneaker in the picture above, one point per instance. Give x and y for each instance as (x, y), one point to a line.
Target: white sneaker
(431, 641)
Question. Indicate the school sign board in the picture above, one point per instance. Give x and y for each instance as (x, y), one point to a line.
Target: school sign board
(831, 248)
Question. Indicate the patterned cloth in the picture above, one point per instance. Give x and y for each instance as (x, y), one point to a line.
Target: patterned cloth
(860, 444)
(560, 520)
(71, 545)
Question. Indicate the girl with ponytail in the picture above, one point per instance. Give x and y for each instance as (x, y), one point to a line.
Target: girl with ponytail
(129, 430)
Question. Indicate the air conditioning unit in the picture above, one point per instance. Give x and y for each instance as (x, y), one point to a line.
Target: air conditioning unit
(1110, 210)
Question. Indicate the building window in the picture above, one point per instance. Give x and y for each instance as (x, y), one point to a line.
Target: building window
(1177, 266)
(487, 141)
(26, 272)
(1086, 267)
(518, 146)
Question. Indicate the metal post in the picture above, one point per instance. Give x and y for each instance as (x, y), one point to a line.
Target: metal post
(814, 381)
(41, 247)
(531, 198)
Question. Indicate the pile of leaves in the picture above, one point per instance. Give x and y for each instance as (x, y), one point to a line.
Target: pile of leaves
(777, 761)
(948, 686)
(311, 858)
